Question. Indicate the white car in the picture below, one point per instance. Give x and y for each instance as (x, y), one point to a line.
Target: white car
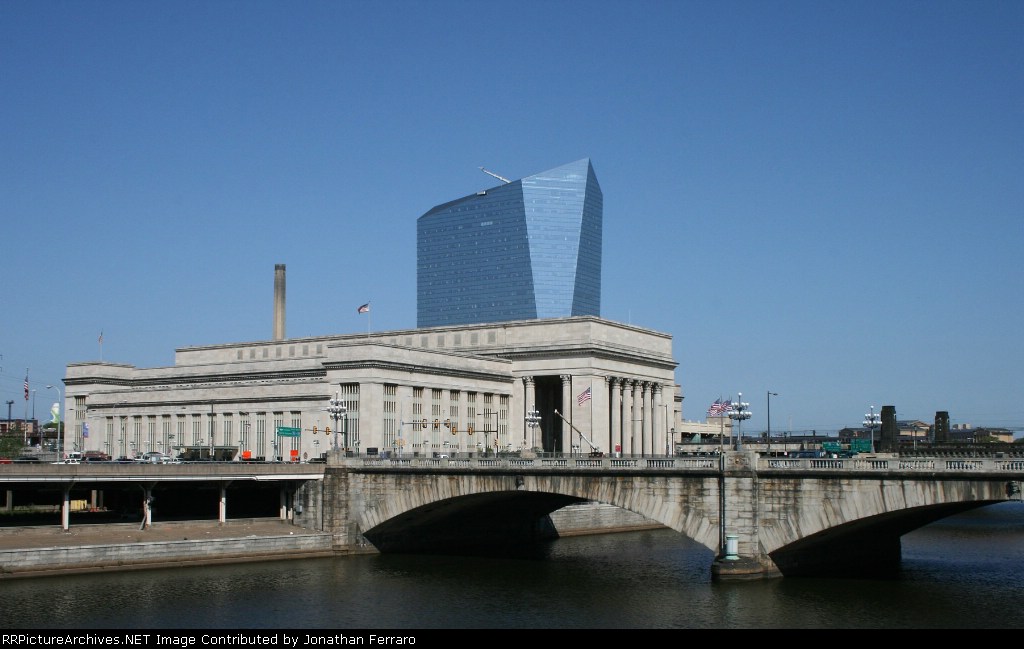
(156, 457)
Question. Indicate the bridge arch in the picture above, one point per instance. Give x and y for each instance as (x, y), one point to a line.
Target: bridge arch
(474, 513)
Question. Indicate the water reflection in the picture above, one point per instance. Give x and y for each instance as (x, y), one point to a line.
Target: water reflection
(963, 572)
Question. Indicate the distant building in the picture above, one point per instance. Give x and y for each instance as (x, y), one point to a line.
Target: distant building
(528, 249)
(29, 429)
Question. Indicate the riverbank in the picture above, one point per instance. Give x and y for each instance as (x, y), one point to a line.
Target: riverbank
(45, 550)
(39, 551)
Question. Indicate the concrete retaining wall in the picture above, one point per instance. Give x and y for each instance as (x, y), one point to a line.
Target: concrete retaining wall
(597, 518)
(93, 558)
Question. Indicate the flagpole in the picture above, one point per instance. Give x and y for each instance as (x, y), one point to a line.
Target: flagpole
(721, 430)
(101, 346)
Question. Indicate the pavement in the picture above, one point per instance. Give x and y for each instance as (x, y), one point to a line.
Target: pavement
(47, 536)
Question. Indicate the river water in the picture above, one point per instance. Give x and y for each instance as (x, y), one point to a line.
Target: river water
(966, 571)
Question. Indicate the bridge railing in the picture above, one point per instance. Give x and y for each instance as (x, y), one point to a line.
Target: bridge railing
(702, 463)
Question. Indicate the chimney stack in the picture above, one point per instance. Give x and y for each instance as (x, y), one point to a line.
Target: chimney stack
(279, 302)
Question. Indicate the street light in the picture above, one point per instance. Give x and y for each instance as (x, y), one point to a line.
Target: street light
(871, 420)
(337, 410)
(488, 414)
(532, 420)
(242, 435)
(60, 402)
(738, 413)
(770, 395)
(121, 440)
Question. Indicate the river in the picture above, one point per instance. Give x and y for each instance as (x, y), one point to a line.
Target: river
(962, 572)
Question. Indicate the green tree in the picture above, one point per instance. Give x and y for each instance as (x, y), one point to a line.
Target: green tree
(12, 443)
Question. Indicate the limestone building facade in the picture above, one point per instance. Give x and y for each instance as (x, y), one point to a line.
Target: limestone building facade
(595, 384)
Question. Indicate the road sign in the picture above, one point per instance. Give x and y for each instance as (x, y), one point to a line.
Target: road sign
(284, 431)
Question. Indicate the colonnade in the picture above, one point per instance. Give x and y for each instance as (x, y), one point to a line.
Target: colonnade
(621, 415)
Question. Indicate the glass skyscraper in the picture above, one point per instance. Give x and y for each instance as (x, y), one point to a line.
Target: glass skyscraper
(522, 250)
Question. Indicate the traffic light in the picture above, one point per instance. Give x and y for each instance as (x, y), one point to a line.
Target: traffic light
(470, 429)
(327, 430)
(314, 430)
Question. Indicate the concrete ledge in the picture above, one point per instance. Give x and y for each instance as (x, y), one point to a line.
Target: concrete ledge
(93, 558)
(742, 569)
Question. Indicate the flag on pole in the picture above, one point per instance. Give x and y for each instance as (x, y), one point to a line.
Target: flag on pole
(101, 338)
(364, 309)
(719, 407)
(26, 387)
(583, 398)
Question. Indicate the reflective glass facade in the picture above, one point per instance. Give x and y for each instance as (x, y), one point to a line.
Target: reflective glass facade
(523, 250)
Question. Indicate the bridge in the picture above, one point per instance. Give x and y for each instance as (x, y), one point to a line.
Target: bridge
(762, 516)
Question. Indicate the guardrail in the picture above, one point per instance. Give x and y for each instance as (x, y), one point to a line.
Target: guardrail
(696, 463)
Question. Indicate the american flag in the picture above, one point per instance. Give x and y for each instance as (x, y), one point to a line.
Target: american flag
(26, 387)
(364, 309)
(719, 408)
(583, 398)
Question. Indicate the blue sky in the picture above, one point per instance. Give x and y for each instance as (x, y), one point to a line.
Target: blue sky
(821, 199)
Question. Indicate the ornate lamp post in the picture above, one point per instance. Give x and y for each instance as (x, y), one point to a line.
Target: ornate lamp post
(532, 421)
(738, 413)
(337, 410)
(871, 420)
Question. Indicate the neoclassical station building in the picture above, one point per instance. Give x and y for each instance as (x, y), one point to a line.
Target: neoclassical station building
(456, 389)
(510, 355)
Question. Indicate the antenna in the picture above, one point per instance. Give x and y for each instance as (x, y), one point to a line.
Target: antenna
(491, 173)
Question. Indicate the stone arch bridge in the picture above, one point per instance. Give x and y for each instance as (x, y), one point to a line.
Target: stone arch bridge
(762, 516)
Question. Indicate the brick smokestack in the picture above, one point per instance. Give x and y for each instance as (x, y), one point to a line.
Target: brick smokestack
(279, 302)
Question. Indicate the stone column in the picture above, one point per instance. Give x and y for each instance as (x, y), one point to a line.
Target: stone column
(645, 392)
(616, 413)
(565, 431)
(529, 403)
(629, 416)
(658, 430)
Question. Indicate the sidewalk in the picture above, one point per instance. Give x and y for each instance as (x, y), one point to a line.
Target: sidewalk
(38, 536)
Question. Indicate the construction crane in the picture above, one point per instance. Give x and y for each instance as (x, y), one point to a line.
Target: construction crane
(594, 450)
(491, 173)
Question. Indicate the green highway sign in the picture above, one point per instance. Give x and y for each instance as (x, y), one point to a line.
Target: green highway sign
(288, 432)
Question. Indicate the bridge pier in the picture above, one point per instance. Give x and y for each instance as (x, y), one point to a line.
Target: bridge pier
(739, 515)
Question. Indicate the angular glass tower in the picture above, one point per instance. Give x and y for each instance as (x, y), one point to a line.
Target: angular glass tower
(523, 250)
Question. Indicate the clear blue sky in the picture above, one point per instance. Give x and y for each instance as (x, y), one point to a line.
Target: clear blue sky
(822, 199)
